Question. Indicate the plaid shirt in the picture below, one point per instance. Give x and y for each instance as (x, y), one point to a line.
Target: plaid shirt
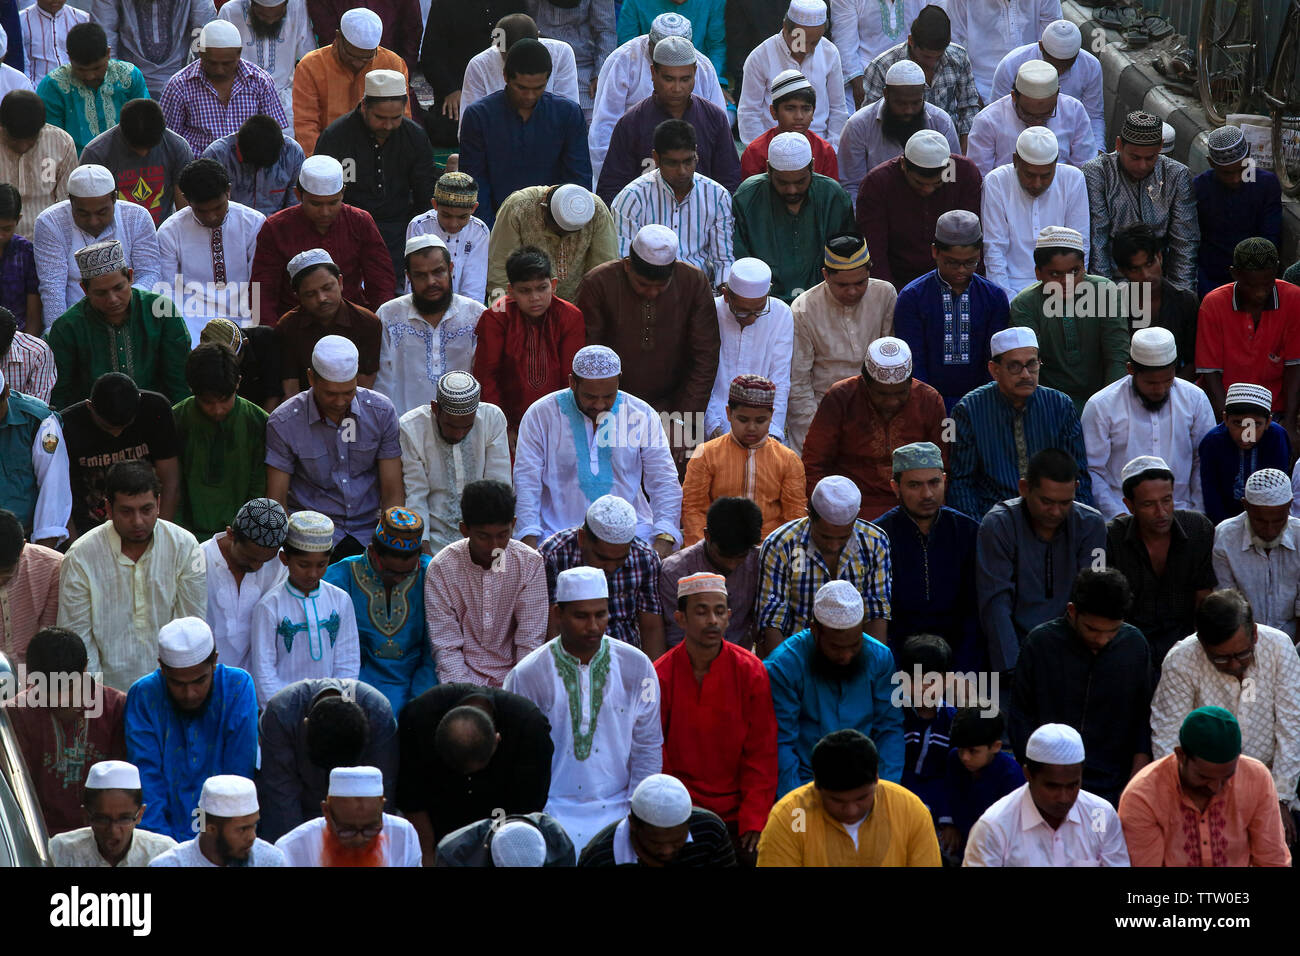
(633, 588)
(953, 89)
(191, 107)
(29, 367)
(792, 570)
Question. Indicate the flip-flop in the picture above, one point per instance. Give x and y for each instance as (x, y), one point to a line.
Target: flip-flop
(1135, 38)
(1114, 17)
(1157, 27)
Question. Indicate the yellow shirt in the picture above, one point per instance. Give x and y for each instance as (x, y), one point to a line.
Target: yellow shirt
(768, 474)
(899, 832)
(324, 89)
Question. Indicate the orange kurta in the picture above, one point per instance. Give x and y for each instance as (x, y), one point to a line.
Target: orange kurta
(324, 89)
(769, 474)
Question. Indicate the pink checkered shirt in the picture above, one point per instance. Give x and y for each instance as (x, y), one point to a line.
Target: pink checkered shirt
(29, 367)
(191, 107)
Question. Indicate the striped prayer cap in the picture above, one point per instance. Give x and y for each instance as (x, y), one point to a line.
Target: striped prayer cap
(456, 189)
(845, 251)
(754, 391)
(458, 393)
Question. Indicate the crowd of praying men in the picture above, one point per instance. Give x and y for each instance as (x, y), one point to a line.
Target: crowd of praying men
(597, 433)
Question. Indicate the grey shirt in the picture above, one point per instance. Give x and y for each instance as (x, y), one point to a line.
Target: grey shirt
(142, 179)
(155, 35)
(472, 845)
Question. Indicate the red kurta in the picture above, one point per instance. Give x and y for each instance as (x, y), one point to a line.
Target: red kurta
(720, 736)
(519, 360)
(753, 161)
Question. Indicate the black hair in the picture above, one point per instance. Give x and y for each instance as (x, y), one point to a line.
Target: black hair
(527, 57)
(142, 123)
(845, 760)
(931, 30)
(465, 738)
(1127, 242)
(11, 202)
(1247, 408)
(1147, 474)
(22, 114)
(90, 798)
(1045, 254)
(87, 43)
(11, 538)
(56, 650)
(203, 180)
(674, 134)
(291, 551)
(929, 650)
(486, 502)
(329, 267)
(925, 172)
(128, 478)
(977, 245)
(528, 263)
(8, 330)
(1105, 593)
(649, 271)
(1052, 464)
(807, 95)
(260, 141)
(337, 732)
(212, 369)
(116, 398)
(513, 27)
(971, 727)
(735, 525)
(446, 255)
(846, 244)
(1221, 615)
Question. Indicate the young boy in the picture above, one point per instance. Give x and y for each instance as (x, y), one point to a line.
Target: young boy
(305, 627)
(979, 774)
(452, 219)
(221, 439)
(744, 462)
(793, 102)
(927, 719)
(1247, 441)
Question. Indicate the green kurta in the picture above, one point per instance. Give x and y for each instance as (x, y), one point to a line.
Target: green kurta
(1084, 350)
(222, 464)
(150, 346)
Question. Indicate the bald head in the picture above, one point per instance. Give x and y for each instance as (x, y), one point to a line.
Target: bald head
(466, 739)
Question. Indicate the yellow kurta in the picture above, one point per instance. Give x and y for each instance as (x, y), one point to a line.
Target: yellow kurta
(769, 474)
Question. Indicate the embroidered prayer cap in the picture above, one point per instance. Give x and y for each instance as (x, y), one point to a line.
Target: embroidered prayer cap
(458, 393)
(222, 332)
(1211, 734)
(1060, 237)
(612, 519)
(185, 642)
(752, 391)
(1227, 145)
(518, 843)
(1016, 337)
(100, 258)
(807, 13)
(750, 278)
(113, 775)
(307, 259)
(423, 241)
(385, 83)
(321, 175)
(661, 801)
(656, 244)
(1142, 129)
(400, 530)
(838, 604)
(356, 782)
(918, 454)
(703, 583)
(335, 359)
(669, 25)
(674, 51)
(905, 73)
(789, 152)
(572, 206)
(92, 181)
(845, 251)
(1168, 138)
(220, 35)
(1253, 396)
(836, 499)
(1140, 464)
(263, 522)
(457, 190)
(788, 81)
(1255, 254)
(596, 361)
(1058, 744)
(310, 531)
(581, 584)
(362, 28)
(927, 149)
(959, 227)
(889, 360)
(228, 795)
(1062, 39)
(1037, 79)
(1037, 145)
(1153, 347)
(1268, 487)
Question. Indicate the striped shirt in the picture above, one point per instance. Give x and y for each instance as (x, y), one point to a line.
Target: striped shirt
(29, 367)
(707, 844)
(41, 177)
(191, 106)
(702, 221)
(633, 588)
(45, 38)
(793, 569)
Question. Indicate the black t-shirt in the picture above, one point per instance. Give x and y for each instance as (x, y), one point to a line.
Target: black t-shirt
(91, 451)
(259, 365)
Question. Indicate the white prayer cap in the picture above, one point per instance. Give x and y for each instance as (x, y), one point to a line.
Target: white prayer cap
(669, 25)
(1062, 39)
(750, 278)
(362, 28)
(1168, 138)
(307, 259)
(787, 81)
(1140, 464)
(1016, 337)
(789, 152)
(905, 73)
(220, 35)
(572, 206)
(185, 642)
(423, 241)
(1268, 486)
(518, 843)
(596, 361)
(1037, 145)
(581, 584)
(1037, 79)
(837, 499)
(928, 149)
(839, 604)
(1060, 237)
(1153, 347)
(674, 51)
(321, 176)
(612, 520)
(1243, 393)
(889, 360)
(335, 359)
(113, 775)
(656, 245)
(385, 83)
(807, 13)
(356, 782)
(661, 801)
(91, 181)
(228, 795)
(1055, 744)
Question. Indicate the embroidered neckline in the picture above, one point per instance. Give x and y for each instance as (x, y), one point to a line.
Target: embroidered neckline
(567, 666)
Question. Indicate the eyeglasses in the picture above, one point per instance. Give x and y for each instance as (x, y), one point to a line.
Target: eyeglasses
(750, 315)
(1015, 368)
(103, 821)
(1243, 656)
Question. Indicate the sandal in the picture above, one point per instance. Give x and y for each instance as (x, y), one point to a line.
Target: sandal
(1135, 38)
(1115, 18)
(1157, 27)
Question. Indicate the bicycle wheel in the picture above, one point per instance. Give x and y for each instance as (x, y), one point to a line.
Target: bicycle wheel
(1225, 50)
(1284, 108)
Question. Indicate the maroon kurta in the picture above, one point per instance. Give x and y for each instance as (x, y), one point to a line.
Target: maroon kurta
(519, 360)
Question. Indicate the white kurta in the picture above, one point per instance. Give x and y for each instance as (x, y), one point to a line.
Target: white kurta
(627, 742)
(1012, 219)
(1269, 577)
(1117, 428)
(1083, 81)
(11, 79)
(484, 74)
(821, 67)
(1012, 832)
(764, 348)
(290, 638)
(990, 29)
(861, 31)
(188, 854)
(45, 38)
(230, 606)
(278, 56)
(413, 354)
(469, 252)
(992, 140)
(305, 844)
(550, 493)
(54, 493)
(78, 847)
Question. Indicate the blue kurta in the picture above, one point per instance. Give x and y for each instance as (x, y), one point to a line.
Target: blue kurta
(925, 763)
(1230, 215)
(1225, 467)
(176, 753)
(396, 656)
(969, 796)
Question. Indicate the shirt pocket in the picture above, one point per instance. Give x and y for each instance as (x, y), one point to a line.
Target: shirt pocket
(361, 457)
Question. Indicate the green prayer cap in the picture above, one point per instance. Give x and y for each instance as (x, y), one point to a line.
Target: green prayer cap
(919, 454)
(1211, 734)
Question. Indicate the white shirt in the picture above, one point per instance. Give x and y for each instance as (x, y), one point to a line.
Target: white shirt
(78, 847)
(627, 744)
(189, 854)
(1012, 832)
(304, 845)
(294, 636)
(1117, 428)
(550, 495)
(1269, 577)
(485, 74)
(45, 38)
(821, 67)
(469, 252)
(624, 851)
(1012, 219)
(11, 79)
(862, 33)
(413, 354)
(1082, 81)
(230, 605)
(187, 252)
(53, 490)
(864, 146)
(764, 348)
(990, 29)
(703, 221)
(992, 139)
(279, 56)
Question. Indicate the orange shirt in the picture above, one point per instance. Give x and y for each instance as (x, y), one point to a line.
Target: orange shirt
(324, 89)
(768, 474)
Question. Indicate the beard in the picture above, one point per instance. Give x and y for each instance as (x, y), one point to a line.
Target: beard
(840, 673)
(1147, 403)
(900, 131)
(265, 31)
(431, 306)
(224, 850)
(334, 853)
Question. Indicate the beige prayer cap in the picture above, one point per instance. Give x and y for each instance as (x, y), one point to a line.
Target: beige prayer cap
(381, 83)
(1037, 79)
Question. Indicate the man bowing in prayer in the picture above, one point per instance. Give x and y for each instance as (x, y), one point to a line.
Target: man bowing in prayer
(227, 818)
(113, 800)
(353, 829)
(662, 829)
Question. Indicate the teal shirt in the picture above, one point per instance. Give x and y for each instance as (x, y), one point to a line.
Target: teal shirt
(18, 488)
(85, 113)
(708, 25)
(223, 464)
